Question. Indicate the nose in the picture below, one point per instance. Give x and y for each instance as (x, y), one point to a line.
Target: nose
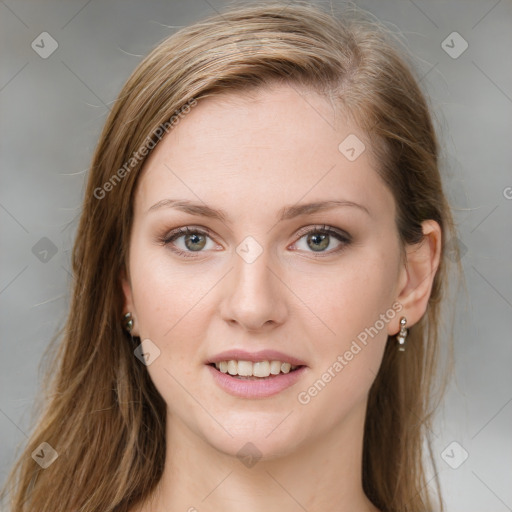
(255, 295)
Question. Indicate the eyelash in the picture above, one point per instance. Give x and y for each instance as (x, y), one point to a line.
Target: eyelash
(344, 238)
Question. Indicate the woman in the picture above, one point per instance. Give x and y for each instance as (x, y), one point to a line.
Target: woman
(258, 273)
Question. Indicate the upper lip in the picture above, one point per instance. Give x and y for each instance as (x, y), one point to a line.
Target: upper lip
(262, 355)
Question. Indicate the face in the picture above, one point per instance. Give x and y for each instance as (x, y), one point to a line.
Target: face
(263, 280)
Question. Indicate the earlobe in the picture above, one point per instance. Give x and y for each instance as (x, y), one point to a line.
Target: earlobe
(422, 264)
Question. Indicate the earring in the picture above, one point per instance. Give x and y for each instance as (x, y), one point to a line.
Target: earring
(128, 322)
(402, 335)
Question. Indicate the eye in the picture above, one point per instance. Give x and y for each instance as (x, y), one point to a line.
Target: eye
(319, 238)
(194, 240)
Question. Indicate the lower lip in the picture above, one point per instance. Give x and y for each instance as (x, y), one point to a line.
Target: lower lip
(261, 388)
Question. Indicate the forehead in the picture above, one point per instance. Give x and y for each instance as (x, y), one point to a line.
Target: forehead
(271, 145)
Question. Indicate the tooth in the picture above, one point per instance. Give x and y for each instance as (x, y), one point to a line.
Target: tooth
(244, 368)
(275, 367)
(261, 369)
(232, 368)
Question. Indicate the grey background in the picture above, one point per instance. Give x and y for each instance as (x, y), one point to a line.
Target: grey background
(53, 110)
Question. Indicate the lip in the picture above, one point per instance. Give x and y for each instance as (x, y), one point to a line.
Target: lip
(261, 388)
(254, 357)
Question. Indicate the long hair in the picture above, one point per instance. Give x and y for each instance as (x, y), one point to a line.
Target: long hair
(102, 414)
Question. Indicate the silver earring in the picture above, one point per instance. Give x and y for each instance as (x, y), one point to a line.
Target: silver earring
(402, 335)
(128, 322)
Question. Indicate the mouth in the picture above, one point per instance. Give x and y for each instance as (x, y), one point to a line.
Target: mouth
(256, 379)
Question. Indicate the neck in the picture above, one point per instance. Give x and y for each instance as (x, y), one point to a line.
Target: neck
(324, 474)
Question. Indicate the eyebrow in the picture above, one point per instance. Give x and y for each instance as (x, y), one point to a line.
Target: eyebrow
(286, 213)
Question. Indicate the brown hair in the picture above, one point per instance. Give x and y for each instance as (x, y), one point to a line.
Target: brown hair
(103, 415)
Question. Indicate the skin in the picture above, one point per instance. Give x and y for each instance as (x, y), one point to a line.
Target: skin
(251, 155)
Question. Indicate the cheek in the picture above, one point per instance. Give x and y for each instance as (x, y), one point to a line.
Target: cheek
(170, 305)
(347, 297)
(164, 294)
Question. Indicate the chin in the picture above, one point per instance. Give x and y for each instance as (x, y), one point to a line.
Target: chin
(259, 434)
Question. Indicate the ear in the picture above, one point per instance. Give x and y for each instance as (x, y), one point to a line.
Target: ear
(128, 299)
(417, 275)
